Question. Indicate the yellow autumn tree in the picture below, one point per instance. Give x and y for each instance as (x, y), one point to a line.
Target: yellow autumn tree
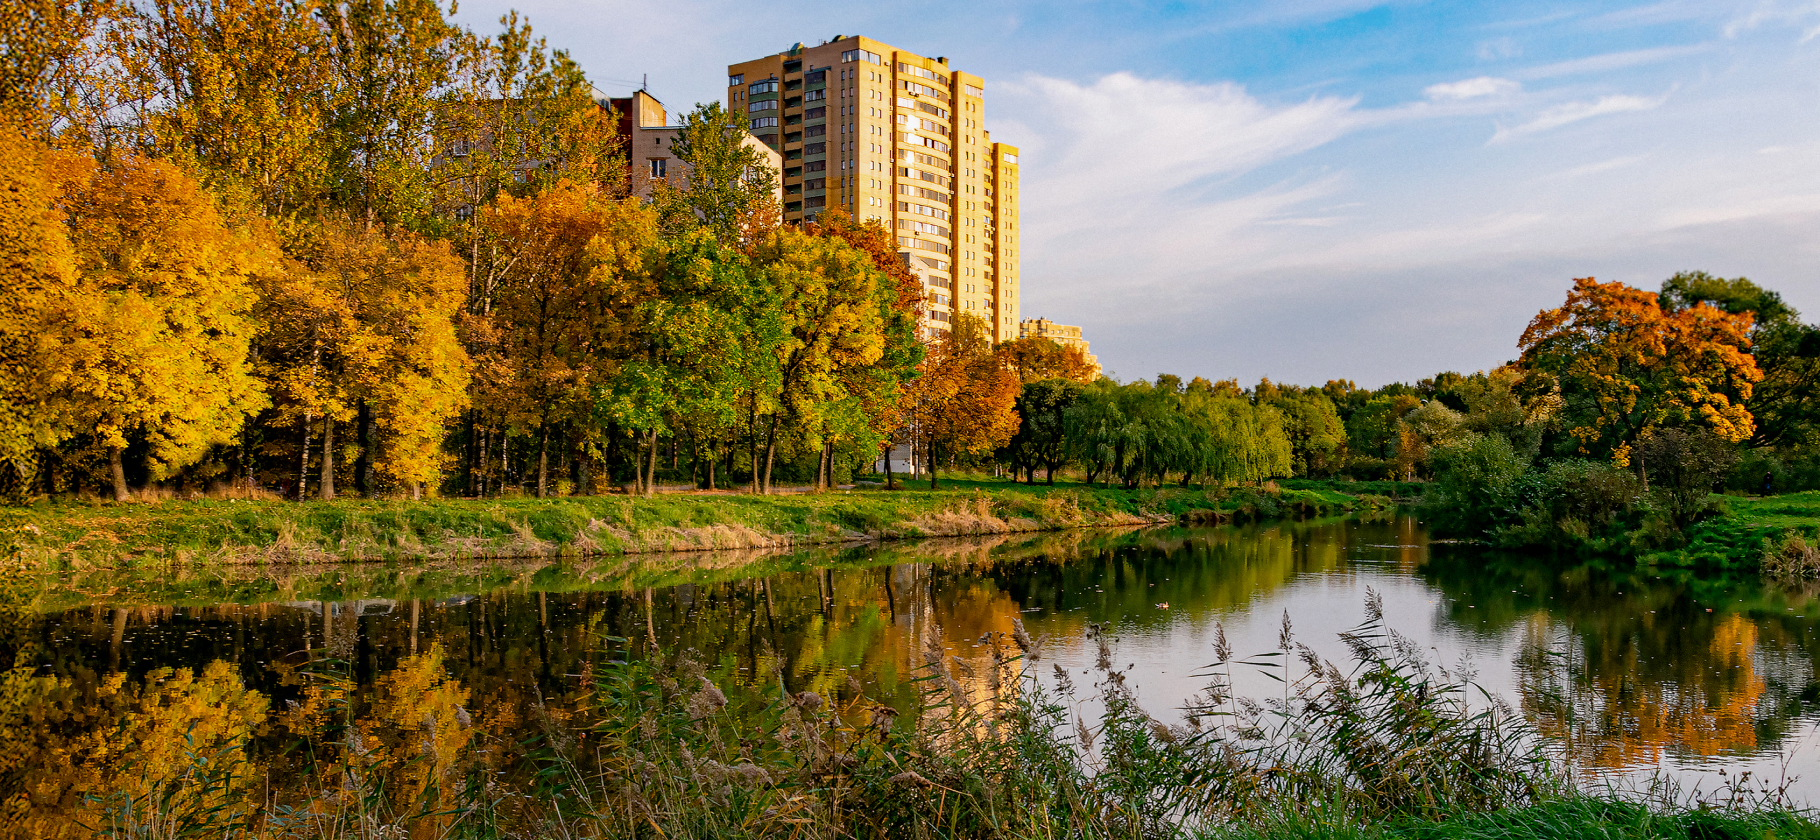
(37, 267)
(835, 306)
(150, 343)
(1623, 366)
(362, 329)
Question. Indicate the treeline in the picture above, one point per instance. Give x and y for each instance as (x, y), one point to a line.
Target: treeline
(1710, 370)
(308, 247)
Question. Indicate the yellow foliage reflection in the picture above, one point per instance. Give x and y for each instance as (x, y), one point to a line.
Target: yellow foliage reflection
(1614, 706)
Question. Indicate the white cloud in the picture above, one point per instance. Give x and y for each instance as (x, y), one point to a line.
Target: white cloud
(1572, 112)
(1611, 61)
(1133, 177)
(1801, 14)
(1601, 166)
(1472, 88)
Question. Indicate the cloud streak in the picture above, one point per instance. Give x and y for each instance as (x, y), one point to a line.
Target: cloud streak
(1480, 87)
(1568, 113)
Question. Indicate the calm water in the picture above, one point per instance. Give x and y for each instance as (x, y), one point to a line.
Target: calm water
(1644, 670)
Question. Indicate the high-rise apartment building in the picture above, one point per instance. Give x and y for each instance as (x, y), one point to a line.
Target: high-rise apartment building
(882, 133)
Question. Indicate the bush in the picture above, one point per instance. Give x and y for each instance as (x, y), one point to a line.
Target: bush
(1684, 465)
(1476, 488)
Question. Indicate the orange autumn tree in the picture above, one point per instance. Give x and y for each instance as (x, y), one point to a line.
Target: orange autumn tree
(1625, 366)
(964, 403)
(1036, 358)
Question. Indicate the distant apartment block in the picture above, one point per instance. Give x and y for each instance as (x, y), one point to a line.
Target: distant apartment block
(1062, 334)
(650, 144)
(889, 135)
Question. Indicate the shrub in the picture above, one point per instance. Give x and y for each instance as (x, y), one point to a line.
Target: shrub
(1476, 487)
(1684, 466)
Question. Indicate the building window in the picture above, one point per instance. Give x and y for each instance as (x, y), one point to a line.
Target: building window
(812, 95)
(767, 86)
(861, 55)
(815, 114)
(815, 148)
(765, 105)
(975, 92)
(658, 167)
(736, 80)
(764, 122)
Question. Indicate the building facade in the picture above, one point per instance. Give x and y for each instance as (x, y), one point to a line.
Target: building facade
(649, 141)
(1063, 334)
(889, 135)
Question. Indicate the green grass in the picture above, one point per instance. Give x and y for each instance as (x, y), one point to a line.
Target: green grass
(80, 534)
(1603, 818)
(1793, 510)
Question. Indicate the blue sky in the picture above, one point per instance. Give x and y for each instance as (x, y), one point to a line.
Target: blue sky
(1318, 189)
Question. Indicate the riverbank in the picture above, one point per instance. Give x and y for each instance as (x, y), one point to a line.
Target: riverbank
(86, 534)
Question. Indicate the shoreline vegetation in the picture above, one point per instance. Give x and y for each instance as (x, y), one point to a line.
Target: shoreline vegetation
(77, 534)
(660, 743)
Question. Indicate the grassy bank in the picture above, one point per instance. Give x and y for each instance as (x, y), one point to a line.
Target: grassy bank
(82, 534)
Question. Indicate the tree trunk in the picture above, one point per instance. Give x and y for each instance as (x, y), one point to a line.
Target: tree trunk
(363, 466)
(929, 452)
(752, 444)
(477, 483)
(303, 469)
(328, 458)
(821, 468)
(829, 481)
(118, 471)
(543, 461)
(890, 481)
(770, 452)
(651, 474)
(1051, 475)
(638, 464)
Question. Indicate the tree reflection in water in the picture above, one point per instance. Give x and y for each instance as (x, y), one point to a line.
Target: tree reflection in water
(397, 680)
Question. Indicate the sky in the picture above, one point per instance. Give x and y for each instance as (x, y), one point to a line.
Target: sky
(1309, 190)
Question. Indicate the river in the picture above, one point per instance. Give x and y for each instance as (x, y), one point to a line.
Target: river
(1633, 672)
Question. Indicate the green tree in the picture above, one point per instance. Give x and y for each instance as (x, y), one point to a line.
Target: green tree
(730, 181)
(701, 337)
(1041, 439)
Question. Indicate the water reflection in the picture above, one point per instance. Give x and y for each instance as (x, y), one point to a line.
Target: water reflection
(1629, 669)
